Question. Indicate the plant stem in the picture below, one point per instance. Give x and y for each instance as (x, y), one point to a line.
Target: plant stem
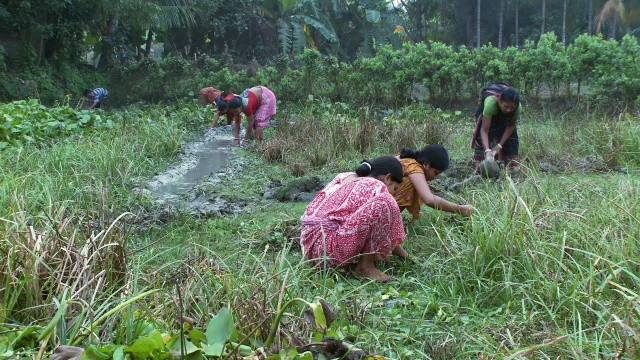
(276, 322)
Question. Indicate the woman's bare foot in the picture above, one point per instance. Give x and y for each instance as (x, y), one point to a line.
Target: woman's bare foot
(400, 252)
(372, 273)
(366, 268)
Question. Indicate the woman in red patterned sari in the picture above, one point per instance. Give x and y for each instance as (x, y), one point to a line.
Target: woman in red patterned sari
(356, 219)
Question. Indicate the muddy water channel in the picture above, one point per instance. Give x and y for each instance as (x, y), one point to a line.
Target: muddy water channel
(210, 157)
(202, 162)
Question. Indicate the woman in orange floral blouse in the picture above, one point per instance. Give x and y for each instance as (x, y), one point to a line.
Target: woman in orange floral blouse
(419, 167)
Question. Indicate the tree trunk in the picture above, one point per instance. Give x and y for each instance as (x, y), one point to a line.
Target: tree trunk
(564, 24)
(187, 49)
(470, 32)
(500, 24)
(612, 28)
(107, 42)
(41, 50)
(419, 23)
(590, 17)
(517, 26)
(544, 13)
(148, 44)
(478, 24)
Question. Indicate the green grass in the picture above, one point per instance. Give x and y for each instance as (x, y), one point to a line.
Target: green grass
(546, 267)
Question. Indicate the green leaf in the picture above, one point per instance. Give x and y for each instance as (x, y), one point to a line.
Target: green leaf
(220, 327)
(189, 349)
(288, 5)
(326, 30)
(285, 35)
(197, 336)
(7, 354)
(373, 16)
(214, 349)
(91, 353)
(141, 348)
(156, 336)
(26, 331)
(6, 350)
(119, 353)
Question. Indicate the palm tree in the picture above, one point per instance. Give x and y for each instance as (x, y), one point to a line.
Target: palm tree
(544, 14)
(517, 24)
(612, 14)
(590, 17)
(169, 14)
(478, 6)
(500, 24)
(423, 17)
(564, 24)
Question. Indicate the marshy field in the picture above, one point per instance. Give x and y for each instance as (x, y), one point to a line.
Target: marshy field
(547, 267)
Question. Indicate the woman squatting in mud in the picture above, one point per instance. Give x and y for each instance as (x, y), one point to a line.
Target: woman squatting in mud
(355, 219)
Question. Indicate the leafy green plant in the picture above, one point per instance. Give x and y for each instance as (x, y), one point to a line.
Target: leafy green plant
(29, 121)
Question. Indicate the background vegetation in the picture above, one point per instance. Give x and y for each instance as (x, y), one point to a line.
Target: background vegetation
(546, 267)
(365, 50)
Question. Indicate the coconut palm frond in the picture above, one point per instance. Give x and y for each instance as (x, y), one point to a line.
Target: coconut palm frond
(175, 14)
(611, 14)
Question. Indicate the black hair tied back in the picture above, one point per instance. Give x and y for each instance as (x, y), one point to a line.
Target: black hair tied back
(409, 153)
(364, 169)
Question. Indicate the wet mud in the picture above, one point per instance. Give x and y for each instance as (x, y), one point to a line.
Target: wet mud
(183, 188)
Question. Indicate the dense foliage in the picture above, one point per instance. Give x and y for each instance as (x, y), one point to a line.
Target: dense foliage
(605, 70)
(123, 31)
(29, 121)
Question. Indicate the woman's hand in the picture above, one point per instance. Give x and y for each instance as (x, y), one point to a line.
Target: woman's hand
(489, 154)
(496, 150)
(466, 210)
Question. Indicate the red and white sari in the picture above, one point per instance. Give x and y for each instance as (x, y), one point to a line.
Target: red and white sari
(349, 219)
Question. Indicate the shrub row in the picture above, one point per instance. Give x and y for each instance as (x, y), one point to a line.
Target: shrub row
(605, 70)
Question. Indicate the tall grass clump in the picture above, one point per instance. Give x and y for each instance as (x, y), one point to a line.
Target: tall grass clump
(73, 170)
(64, 249)
(546, 267)
(312, 140)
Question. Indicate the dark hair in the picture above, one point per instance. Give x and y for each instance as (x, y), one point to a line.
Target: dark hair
(434, 154)
(381, 166)
(86, 92)
(235, 102)
(510, 95)
(222, 105)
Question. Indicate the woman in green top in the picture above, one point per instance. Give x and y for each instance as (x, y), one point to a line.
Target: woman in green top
(496, 135)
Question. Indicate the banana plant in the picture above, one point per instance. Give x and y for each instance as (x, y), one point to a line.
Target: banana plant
(299, 23)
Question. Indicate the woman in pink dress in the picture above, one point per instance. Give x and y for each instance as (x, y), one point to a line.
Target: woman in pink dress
(258, 104)
(355, 219)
